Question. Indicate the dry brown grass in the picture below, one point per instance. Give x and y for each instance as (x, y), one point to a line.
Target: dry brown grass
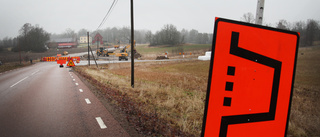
(8, 56)
(13, 65)
(305, 110)
(175, 90)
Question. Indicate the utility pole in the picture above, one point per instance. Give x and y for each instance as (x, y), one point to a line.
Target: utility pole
(132, 47)
(88, 49)
(98, 46)
(259, 12)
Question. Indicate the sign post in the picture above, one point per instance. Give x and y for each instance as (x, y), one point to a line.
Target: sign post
(251, 80)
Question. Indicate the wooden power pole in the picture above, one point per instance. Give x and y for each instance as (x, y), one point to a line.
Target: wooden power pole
(132, 47)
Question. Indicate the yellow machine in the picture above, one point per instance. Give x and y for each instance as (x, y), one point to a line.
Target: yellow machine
(123, 53)
(105, 52)
(65, 53)
(116, 46)
(101, 51)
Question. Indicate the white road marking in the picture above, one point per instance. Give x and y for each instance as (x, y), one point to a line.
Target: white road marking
(18, 82)
(34, 72)
(100, 122)
(77, 84)
(87, 100)
(80, 90)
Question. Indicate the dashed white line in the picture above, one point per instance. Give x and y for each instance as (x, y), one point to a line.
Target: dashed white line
(100, 122)
(77, 84)
(80, 90)
(19, 81)
(87, 100)
(34, 72)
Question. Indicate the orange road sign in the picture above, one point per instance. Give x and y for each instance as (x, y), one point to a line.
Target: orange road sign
(70, 63)
(251, 80)
(61, 62)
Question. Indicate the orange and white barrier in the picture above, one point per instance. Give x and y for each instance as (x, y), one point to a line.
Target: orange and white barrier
(62, 60)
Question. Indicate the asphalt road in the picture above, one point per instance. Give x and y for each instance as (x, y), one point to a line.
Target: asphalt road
(45, 100)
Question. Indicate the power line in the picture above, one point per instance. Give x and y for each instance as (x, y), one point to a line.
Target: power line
(108, 13)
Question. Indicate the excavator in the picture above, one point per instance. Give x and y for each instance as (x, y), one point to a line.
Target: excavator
(105, 52)
(123, 55)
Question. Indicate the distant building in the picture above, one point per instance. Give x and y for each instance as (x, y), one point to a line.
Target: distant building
(63, 43)
(84, 39)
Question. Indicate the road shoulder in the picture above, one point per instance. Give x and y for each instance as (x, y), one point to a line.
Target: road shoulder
(113, 109)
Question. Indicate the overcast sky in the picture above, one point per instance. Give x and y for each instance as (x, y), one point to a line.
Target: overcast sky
(55, 16)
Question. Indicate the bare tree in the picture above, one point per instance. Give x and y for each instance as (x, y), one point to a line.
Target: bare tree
(283, 24)
(192, 36)
(149, 37)
(248, 17)
(82, 32)
(312, 31)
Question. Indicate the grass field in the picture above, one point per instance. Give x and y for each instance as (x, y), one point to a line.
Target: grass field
(13, 65)
(305, 110)
(174, 92)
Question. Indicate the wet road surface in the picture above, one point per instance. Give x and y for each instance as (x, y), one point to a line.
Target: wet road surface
(45, 100)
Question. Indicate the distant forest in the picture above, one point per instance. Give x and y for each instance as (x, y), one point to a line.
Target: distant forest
(309, 30)
(33, 38)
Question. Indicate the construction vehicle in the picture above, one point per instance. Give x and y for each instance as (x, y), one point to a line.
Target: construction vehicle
(65, 53)
(123, 55)
(105, 52)
(116, 46)
(100, 51)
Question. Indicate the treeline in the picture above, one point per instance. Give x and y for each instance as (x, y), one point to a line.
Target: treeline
(169, 35)
(309, 31)
(31, 38)
(121, 35)
(113, 35)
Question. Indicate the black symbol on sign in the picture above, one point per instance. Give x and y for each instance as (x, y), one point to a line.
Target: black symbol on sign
(229, 86)
(258, 117)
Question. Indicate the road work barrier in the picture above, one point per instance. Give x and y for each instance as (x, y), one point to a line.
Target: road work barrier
(62, 60)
